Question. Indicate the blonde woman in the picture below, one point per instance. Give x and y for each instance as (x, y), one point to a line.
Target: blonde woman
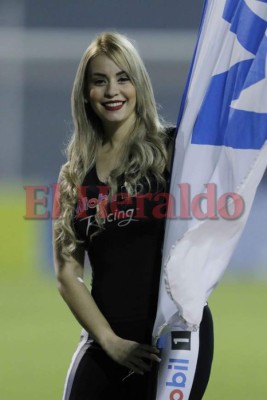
(112, 202)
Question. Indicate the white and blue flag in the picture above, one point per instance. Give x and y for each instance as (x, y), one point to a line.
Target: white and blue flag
(220, 158)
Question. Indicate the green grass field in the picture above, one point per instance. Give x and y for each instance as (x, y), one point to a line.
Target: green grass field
(240, 324)
(39, 334)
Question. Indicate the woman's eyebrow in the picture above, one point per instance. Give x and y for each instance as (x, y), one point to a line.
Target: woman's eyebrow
(101, 74)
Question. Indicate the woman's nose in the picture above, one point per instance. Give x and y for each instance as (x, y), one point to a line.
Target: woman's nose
(111, 89)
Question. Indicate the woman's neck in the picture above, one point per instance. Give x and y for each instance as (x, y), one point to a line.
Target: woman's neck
(117, 134)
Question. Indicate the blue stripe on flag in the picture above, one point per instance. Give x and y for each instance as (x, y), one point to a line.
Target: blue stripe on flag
(246, 130)
(239, 15)
(217, 123)
(258, 68)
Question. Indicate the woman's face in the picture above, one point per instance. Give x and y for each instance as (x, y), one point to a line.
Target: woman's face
(110, 93)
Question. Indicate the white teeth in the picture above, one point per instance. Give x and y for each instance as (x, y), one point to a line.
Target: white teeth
(114, 104)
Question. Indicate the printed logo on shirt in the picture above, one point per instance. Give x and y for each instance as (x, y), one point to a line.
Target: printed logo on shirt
(181, 340)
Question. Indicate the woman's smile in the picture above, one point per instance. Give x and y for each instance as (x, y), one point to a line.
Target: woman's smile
(113, 105)
(111, 93)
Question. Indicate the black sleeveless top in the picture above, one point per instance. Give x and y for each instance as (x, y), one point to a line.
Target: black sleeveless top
(126, 255)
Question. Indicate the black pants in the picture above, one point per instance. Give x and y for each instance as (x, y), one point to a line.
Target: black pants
(95, 376)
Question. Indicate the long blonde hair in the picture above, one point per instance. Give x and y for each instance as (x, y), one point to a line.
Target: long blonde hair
(145, 155)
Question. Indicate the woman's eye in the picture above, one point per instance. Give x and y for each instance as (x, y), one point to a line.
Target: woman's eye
(99, 82)
(124, 78)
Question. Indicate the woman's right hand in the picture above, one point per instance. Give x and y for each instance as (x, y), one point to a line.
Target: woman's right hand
(135, 356)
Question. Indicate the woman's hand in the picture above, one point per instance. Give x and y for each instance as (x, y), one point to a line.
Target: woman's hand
(135, 356)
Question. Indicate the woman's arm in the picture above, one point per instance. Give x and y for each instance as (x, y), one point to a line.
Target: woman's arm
(69, 275)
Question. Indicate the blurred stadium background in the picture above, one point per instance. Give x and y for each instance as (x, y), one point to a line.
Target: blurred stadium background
(41, 43)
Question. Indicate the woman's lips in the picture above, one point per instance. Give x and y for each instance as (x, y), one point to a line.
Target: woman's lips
(114, 105)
